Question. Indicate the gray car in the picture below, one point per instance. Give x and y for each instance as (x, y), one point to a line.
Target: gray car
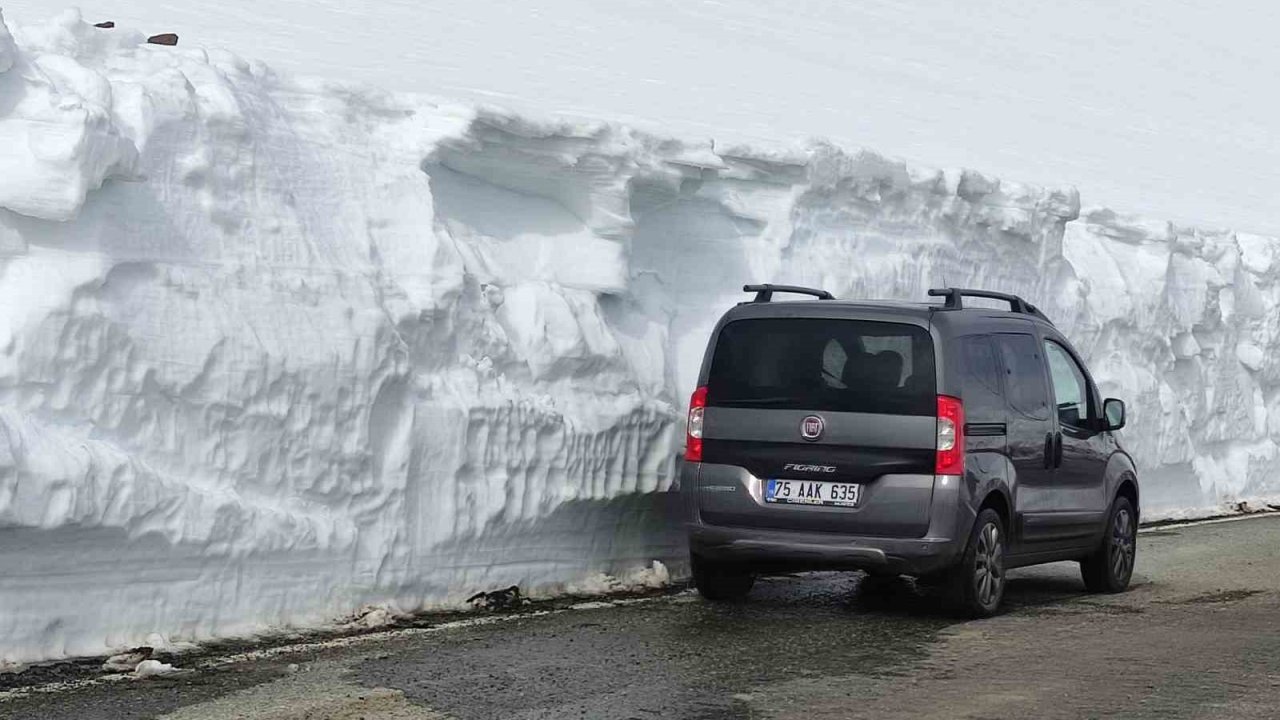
(938, 440)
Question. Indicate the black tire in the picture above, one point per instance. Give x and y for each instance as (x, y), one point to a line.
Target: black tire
(1110, 567)
(720, 582)
(977, 583)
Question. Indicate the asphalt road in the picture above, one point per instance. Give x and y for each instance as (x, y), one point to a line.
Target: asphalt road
(1198, 636)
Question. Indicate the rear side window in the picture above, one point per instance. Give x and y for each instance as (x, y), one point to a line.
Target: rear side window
(821, 364)
(981, 386)
(1024, 375)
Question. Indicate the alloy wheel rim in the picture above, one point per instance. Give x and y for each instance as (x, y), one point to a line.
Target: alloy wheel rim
(989, 565)
(1122, 545)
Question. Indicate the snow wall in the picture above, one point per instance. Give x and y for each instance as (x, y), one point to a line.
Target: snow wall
(275, 349)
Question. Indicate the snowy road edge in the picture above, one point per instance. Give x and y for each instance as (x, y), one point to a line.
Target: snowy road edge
(362, 638)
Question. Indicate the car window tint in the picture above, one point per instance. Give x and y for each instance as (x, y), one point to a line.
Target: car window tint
(983, 392)
(1070, 390)
(821, 364)
(1024, 375)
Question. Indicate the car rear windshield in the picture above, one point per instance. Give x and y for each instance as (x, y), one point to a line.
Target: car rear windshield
(820, 364)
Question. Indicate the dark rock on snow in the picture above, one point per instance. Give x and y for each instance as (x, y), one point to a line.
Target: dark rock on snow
(498, 599)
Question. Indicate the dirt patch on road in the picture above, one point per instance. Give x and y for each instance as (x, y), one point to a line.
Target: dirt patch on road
(1077, 660)
(1224, 596)
(316, 692)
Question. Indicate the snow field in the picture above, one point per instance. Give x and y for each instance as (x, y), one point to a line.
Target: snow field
(275, 349)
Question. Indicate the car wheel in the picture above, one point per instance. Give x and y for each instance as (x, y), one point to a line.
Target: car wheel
(720, 582)
(1110, 567)
(978, 582)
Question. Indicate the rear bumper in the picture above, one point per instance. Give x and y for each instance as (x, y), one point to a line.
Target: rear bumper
(769, 549)
(781, 550)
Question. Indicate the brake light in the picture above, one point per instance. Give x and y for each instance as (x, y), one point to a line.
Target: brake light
(950, 458)
(693, 430)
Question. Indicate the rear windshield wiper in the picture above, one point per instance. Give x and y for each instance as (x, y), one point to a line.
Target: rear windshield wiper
(754, 401)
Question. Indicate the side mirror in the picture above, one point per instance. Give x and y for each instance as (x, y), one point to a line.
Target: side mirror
(1112, 414)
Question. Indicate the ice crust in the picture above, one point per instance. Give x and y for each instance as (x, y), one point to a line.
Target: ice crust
(275, 349)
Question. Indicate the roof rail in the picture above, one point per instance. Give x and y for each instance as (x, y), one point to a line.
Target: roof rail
(954, 300)
(764, 293)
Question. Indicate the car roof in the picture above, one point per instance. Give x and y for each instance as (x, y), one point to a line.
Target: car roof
(903, 305)
(952, 306)
(920, 313)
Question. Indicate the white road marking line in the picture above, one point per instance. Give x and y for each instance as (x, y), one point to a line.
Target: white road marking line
(1211, 521)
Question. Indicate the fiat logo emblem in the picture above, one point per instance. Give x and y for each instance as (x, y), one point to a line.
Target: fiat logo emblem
(811, 427)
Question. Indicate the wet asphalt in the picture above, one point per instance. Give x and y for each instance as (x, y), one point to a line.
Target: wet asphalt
(1197, 636)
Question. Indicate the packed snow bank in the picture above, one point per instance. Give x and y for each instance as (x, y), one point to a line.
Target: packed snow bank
(58, 140)
(311, 347)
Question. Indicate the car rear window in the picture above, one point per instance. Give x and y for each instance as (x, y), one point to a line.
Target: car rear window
(820, 364)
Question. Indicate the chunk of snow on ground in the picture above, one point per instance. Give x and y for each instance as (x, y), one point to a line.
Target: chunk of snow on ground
(372, 617)
(597, 584)
(153, 668)
(126, 661)
(332, 348)
(654, 576)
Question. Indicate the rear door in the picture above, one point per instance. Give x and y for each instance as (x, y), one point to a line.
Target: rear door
(985, 409)
(839, 401)
(1030, 436)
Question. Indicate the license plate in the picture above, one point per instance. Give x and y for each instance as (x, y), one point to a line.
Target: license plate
(813, 492)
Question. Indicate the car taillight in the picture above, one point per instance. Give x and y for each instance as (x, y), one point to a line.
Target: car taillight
(693, 431)
(950, 458)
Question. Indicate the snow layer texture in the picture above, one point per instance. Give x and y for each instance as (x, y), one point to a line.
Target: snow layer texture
(273, 350)
(1152, 105)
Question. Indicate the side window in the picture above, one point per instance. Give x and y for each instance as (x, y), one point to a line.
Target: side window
(983, 394)
(980, 364)
(1024, 375)
(1070, 390)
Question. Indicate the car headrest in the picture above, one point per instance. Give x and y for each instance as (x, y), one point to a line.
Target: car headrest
(882, 369)
(857, 370)
(887, 367)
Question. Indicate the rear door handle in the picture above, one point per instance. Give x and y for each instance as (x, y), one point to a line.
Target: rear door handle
(1057, 450)
(1048, 450)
